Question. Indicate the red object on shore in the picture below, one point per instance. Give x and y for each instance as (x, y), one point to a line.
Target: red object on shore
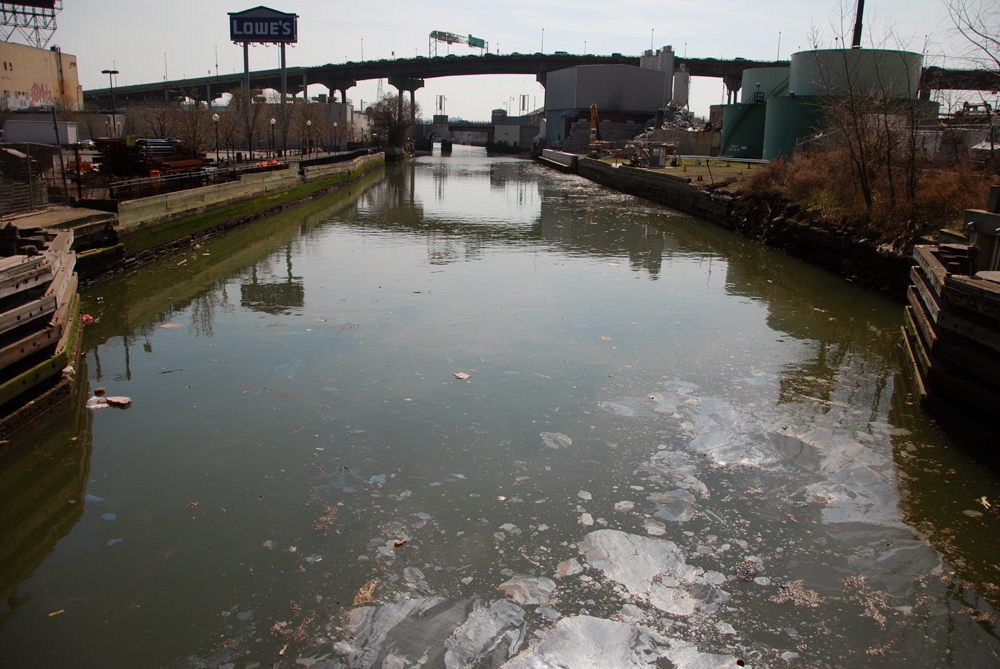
(87, 319)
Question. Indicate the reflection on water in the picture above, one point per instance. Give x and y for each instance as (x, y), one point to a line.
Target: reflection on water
(42, 487)
(692, 450)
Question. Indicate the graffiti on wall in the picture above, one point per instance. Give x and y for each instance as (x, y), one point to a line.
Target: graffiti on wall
(40, 95)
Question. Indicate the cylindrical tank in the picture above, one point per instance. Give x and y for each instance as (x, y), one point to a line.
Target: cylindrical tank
(743, 130)
(666, 59)
(682, 86)
(788, 119)
(896, 74)
(769, 78)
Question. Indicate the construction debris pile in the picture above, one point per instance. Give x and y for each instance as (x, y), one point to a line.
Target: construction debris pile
(670, 117)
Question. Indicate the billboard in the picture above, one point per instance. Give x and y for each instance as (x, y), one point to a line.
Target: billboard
(41, 4)
(262, 24)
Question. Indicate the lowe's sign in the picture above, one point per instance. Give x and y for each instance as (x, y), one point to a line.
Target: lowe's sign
(263, 24)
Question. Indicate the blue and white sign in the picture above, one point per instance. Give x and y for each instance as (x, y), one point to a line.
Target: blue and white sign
(262, 24)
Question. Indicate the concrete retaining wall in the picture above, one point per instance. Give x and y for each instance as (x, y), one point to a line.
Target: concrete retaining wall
(560, 158)
(147, 212)
(667, 189)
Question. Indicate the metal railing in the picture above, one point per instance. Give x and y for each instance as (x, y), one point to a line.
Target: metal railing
(132, 189)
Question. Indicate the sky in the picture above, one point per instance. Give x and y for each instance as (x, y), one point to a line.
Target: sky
(144, 39)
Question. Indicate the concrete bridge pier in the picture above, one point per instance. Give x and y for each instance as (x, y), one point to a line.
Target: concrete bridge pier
(733, 82)
(340, 85)
(406, 84)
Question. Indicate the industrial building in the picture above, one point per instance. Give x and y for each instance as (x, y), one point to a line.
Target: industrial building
(781, 106)
(624, 94)
(33, 78)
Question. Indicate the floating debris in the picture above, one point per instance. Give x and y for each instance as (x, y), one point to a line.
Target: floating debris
(797, 593)
(746, 571)
(364, 594)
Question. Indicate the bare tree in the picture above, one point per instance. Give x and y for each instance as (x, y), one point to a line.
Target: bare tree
(978, 23)
(193, 124)
(228, 129)
(150, 120)
(308, 124)
(249, 110)
(392, 119)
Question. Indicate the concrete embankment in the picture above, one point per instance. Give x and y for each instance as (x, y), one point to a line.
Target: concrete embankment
(881, 267)
(151, 226)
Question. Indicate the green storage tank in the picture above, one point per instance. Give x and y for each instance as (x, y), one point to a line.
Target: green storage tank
(789, 119)
(743, 130)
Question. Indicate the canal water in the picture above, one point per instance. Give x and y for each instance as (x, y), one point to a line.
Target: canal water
(478, 413)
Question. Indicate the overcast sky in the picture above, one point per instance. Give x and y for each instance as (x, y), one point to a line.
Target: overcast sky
(136, 35)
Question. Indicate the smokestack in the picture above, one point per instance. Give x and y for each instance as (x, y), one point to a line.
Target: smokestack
(856, 41)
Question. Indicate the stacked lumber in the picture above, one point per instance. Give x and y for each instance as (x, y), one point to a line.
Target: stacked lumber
(951, 331)
(38, 317)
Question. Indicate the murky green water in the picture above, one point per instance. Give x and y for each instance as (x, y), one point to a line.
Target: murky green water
(716, 433)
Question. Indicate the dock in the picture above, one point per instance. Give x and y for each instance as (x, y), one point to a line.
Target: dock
(951, 330)
(39, 323)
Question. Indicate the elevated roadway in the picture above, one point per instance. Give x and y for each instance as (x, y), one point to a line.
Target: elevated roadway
(408, 73)
(341, 77)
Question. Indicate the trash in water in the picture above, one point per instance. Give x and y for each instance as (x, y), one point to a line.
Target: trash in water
(119, 401)
(377, 479)
(100, 391)
(93, 498)
(460, 375)
(97, 403)
(108, 516)
(583, 494)
(269, 545)
(87, 319)
(586, 520)
(556, 440)
(364, 595)
(313, 559)
(171, 326)
(114, 541)
(624, 506)
(746, 571)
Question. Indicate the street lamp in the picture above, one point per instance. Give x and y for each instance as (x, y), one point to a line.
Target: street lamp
(336, 137)
(111, 80)
(309, 125)
(215, 121)
(272, 136)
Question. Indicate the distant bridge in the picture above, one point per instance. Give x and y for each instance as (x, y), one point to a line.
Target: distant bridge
(407, 74)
